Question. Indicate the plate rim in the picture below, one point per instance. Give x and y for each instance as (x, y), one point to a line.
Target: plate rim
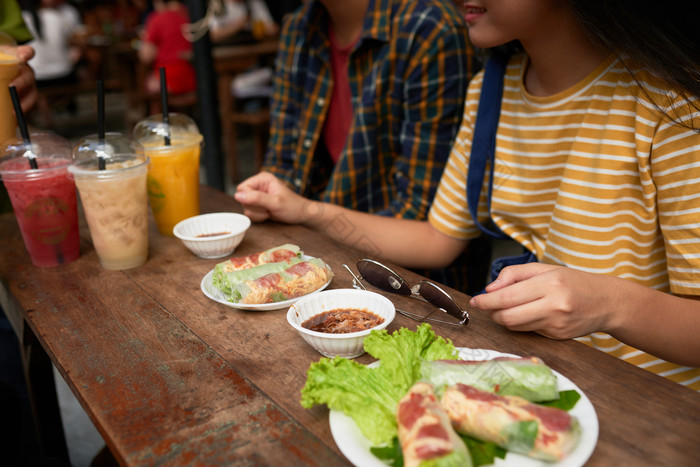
(339, 422)
(208, 280)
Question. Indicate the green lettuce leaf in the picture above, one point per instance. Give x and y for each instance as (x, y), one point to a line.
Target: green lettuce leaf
(370, 395)
(482, 452)
(566, 401)
(402, 352)
(363, 393)
(520, 436)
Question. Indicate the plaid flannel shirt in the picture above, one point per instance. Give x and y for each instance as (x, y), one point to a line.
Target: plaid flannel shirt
(408, 77)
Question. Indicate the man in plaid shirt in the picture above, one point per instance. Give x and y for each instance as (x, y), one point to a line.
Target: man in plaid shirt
(368, 97)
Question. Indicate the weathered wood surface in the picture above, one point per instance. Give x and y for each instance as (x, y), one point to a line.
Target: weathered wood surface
(169, 376)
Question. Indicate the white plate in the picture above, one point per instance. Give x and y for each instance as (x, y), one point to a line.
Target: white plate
(356, 447)
(215, 294)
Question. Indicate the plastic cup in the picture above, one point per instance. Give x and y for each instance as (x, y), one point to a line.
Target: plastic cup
(43, 199)
(9, 67)
(114, 200)
(173, 174)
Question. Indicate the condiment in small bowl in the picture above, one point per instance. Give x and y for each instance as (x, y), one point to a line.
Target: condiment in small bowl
(329, 309)
(212, 235)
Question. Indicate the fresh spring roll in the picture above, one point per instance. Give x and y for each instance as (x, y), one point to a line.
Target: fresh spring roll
(275, 282)
(511, 422)
(425, 432)
(273, 255)
(527, 377)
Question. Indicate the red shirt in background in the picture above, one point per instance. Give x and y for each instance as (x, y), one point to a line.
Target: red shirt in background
(164, 29)
(340, 112)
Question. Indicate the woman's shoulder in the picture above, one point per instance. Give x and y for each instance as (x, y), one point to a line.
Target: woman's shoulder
(632, 80)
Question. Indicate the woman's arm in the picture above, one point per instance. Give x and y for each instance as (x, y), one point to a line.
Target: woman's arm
(222, 32)
(563, 303)
(414, 244)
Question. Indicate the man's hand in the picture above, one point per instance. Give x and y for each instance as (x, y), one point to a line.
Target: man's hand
(264, 197)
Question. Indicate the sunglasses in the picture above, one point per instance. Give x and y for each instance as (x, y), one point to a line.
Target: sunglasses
(383, 278)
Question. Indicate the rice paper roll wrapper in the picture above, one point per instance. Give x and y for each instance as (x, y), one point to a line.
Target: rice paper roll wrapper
(526, 377)
(513, 423)
(273, 255)
(425, 431)
(276, 282)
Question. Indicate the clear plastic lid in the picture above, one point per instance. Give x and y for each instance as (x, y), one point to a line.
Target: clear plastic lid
(181, 130)
(48, 150)
(113, 147)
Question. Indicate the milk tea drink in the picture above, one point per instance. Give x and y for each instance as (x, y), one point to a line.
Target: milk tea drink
(115, 203)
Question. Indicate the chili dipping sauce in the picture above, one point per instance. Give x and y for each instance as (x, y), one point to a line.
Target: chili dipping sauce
(342, 321)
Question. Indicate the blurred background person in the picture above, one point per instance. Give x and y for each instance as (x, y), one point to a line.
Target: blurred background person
(242, 21)
(57, 30)
(163, 44)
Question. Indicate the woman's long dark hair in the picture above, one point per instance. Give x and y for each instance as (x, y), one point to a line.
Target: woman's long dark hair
(663, 38)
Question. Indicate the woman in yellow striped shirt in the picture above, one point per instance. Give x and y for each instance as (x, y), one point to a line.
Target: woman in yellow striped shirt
(597, 173)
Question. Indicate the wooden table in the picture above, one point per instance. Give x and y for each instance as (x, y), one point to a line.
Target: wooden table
(229, 61)
(169, 376)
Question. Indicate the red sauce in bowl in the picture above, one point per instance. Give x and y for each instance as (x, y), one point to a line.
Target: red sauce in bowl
(342, 321)
(218, 234)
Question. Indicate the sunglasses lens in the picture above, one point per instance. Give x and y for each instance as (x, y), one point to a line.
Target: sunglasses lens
(382, 277)
(438, 297)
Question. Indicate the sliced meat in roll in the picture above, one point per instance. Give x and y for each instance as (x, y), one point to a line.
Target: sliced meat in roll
(511, 422)
(273, 255)
(274, 282)
(425, 432)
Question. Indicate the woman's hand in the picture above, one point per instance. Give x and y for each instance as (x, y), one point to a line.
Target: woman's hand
(264, 197)
(555, 301)
(563, 303)
(25, 82)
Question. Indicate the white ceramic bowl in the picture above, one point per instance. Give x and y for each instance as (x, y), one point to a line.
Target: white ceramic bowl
(198, 233)
(347, 345)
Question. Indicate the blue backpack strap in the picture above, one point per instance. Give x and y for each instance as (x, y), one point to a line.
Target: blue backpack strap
(483, 150)
(484, 139)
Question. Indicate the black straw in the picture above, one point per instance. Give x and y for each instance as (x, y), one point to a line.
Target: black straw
(164, 104)
(100, 122)
(22, 124)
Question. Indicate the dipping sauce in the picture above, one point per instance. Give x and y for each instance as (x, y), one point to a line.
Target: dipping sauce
(342, 320)
(212, 234)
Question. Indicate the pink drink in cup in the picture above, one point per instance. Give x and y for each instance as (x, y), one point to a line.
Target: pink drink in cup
(44, 200)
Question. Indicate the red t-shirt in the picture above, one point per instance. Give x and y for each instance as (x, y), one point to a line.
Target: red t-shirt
(164, 30)
(340, 112)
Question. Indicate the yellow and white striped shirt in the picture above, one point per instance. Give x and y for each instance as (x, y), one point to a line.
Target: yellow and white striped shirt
(594, 178)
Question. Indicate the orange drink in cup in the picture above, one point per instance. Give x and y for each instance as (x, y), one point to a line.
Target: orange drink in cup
(173, 174)
(9, 67)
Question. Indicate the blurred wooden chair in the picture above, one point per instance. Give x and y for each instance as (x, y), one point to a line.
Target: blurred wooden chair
(229, 62)
(151, 103)
(182, 103)
(259, 121)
